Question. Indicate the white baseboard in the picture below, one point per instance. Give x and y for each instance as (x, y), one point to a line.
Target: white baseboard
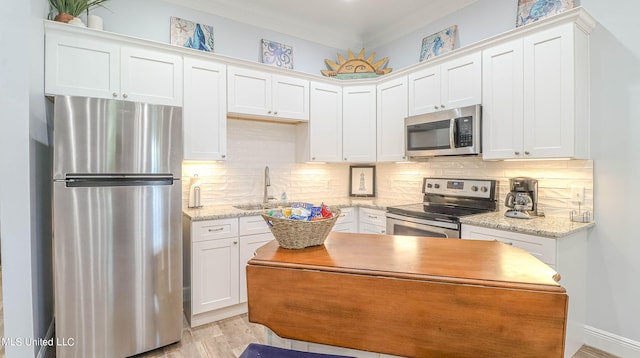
(611, 343)
(42, 352)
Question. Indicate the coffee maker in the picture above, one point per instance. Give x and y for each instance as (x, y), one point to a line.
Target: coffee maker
(522, 198)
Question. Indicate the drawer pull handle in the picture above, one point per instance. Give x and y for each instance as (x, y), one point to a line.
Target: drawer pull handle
(509, 243)
(372, 217)
(216, 229)
(342, 215)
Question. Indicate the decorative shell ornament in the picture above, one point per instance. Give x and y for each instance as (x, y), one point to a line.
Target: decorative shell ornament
(356, 67)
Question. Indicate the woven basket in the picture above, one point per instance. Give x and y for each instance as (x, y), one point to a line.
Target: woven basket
(294, 234)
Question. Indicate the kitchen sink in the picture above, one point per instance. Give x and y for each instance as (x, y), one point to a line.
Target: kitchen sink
(260, 206)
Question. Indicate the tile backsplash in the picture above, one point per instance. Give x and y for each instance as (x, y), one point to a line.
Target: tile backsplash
(252, 145)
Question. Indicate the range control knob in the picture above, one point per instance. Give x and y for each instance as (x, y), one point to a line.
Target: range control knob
(484, 189)
(474, 188)
(437, 186)
(429, 185)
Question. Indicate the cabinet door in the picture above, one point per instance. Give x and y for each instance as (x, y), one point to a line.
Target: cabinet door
(151, 76)
(76, 66)
(214, 281)
(372, 221)
(543, 248)
(392, 105)
(549, 93)
(205, 110)
(502, 107)
(348, 221)
(249, 92)
(424, 91)
(248, 246)
(325, 123)
(290, 98)
(359, 124)
(461, 82)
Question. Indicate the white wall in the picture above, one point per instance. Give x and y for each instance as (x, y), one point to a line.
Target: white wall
(149, 19)
(476, 22)
(614, 248)
(25, 214)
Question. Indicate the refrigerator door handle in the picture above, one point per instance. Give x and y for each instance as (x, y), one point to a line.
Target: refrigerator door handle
(97, 180)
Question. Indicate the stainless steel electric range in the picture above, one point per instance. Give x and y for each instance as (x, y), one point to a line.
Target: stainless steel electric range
(445, 202)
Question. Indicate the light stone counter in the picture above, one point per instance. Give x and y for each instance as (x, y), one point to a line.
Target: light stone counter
(228, 211)
(553, 227)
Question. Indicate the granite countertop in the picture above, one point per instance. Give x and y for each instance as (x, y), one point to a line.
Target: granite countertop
(550, 226)
(228, 211)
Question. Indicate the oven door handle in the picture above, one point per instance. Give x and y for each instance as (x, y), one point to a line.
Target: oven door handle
(442, 224)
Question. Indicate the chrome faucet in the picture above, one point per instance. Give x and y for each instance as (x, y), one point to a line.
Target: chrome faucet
(267, 184)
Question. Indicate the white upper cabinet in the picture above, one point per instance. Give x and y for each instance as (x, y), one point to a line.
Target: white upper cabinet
(321, 139)
(502, 103)
(79, 65)
(205, 110)
(150, 76)
(258, 94)
(536, 92)
(451, 84)
(392, 105)
(359, 124)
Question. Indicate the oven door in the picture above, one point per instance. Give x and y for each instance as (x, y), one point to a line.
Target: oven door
(405, 225)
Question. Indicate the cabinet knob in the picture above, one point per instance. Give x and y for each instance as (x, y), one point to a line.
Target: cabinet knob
(224, 156)
(115, 95)
(275, 113)
(516, 153)
(442, 106)
(382, 231)
(526, 153)
(345, 158)
(124, 95)
(313, 158)
(269, 112)
(235, 243)
(435, 107)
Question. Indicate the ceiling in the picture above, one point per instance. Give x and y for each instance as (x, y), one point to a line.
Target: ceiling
(335, 23)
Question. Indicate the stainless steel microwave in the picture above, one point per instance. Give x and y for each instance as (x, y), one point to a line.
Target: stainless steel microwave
(450, 132)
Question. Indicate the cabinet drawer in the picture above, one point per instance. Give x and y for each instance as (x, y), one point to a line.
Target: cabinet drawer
(250, 225)
(214, 229)
(372, 229)
(347, 215)
(543, 248)
(373, 217)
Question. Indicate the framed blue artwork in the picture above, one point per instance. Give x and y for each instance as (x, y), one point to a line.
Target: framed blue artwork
(190, 34)
(438, 43)
(277, 54)
(534, 10)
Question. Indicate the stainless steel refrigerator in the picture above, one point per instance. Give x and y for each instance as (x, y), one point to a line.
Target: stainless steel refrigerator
(117, 226)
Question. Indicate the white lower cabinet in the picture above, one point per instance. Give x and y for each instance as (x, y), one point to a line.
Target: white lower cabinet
(254, 233)
(567, 255)
(348, 221)
(214, 264)
(372, 221)
(215, 258)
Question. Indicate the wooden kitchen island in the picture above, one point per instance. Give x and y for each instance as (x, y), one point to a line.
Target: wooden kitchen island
(410, 296)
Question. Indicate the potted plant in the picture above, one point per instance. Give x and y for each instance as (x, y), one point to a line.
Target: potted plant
(69, 9)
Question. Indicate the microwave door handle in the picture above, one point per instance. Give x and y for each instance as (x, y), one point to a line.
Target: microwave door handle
(452, 133)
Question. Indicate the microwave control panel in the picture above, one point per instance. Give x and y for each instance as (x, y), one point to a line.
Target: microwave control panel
(464, 131)
(459, 187)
